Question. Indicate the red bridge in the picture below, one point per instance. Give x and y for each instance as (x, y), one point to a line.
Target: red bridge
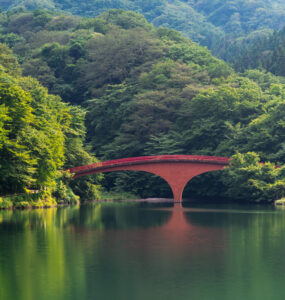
(176, 170)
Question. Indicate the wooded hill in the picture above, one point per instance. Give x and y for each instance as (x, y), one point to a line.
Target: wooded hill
(215, 24)
(268, 53)
(151, 91)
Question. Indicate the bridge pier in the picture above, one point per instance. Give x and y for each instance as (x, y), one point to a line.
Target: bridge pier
(177, 194)
(177, 189)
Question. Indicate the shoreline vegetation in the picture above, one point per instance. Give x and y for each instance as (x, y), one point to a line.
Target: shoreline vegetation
(43, 199)
(7, 204)
(280, 202)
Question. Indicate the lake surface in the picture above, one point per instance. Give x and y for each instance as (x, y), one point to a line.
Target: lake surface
(141, 251)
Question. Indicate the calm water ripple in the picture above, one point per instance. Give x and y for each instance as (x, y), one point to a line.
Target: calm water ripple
(137, 251)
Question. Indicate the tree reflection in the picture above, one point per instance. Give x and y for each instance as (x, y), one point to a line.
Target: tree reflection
(114, 251)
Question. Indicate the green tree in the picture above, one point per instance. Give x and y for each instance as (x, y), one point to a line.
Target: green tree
(250, 180)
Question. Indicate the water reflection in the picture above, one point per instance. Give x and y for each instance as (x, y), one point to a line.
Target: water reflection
(135, 251)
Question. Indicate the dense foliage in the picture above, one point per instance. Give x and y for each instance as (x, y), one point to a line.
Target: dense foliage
(248, 177)
(267, 52)
(39, 136)
(149, 91)
(212, 23)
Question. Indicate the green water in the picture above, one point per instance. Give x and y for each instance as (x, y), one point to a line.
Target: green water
(134, 251)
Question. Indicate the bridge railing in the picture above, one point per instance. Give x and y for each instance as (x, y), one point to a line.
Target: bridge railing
(149, 159)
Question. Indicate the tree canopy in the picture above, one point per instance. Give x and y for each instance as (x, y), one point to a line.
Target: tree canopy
(39, 134)
(211, 23)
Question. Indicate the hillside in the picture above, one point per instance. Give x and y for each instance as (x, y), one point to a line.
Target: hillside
(211, 23)
(149, 91)
(265, 53)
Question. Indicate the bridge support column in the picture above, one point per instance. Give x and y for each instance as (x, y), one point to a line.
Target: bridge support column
(177, 175)
(177, 193)
(178, 188)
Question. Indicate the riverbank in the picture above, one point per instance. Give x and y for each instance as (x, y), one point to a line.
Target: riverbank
(42, 199)
(34, 201)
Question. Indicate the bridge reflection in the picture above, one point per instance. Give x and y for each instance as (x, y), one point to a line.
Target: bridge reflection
(167, 229)
(180, 234)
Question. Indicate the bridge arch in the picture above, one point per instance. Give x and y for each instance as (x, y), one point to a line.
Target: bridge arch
(176, 170)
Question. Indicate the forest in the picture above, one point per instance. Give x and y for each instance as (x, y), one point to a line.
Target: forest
(265, 54)
(224, 26)
(116, 86)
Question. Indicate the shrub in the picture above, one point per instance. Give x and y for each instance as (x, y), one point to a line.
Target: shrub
(5, 203)
(22, 204)
(249, 179)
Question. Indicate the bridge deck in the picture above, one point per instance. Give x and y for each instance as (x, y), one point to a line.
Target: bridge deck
(152, 159)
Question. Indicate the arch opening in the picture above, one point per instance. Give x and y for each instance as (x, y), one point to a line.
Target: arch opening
(140, 183)
(207, 185)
